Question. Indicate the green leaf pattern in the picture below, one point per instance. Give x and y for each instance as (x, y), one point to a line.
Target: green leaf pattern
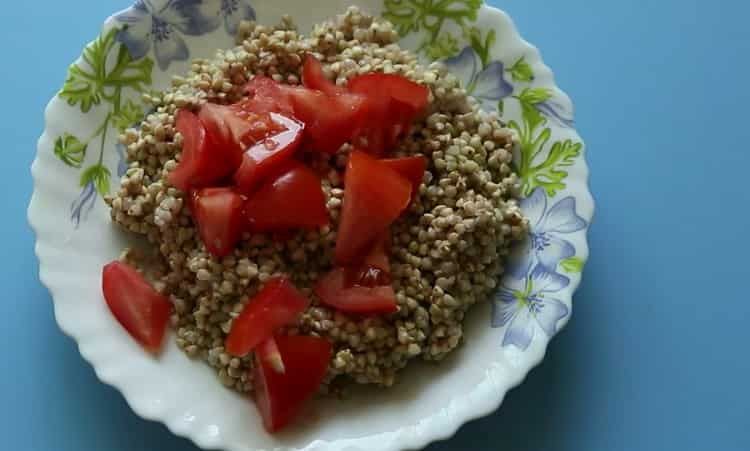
(70, 150)
(104, 76)
(572, 265)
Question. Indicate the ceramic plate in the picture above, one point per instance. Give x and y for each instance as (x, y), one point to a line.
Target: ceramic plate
(78, 161)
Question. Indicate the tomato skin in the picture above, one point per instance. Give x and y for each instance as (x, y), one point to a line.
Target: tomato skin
(292, 200)
(334, 290)
(330, 120)
(397, 87)
(412, 168)
(278, 304)
(374, 197)
(280, 397)
(313, 77)
(218, 216)
(269, 156)
(232, 128)
(394, 102)
(194, 151)
(136, 305)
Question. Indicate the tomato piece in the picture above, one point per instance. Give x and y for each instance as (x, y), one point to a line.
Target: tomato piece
(394, 102)
(413, 168)
(266, 96)
(292, 200)
(313, 77)
(268, 156)
(335, 290)
(395, 86)
(278, 304)
(330, 121)
(268, 352)
(374, 197)
(235, 128)
(218, 215)
(374, 270)
(280, 397)
(136, 305)
(201, 163)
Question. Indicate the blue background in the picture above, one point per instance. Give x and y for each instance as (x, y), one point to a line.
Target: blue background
(655, 357)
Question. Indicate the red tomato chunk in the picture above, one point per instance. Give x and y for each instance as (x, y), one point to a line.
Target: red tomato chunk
(218, 216)
(374, 197)
(364, 288)
(280, 397)
(269, 155)
(278, 304)
(293, 200)
(136, 305)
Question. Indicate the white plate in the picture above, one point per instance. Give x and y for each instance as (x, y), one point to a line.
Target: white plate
(505, 338)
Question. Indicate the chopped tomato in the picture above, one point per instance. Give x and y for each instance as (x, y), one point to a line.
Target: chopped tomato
(218, 214)
(193, 169)
(268, 352)
(268, 156)
(374, 197)
(395, 86)
(374, 269)
(394, 102)
(313, 77)
(233, 128)
(281, 396)
(335, 290)
(330, 120)
(136, 305)
(266, 96)
(277, 305)
(292, 200)
(413, 168)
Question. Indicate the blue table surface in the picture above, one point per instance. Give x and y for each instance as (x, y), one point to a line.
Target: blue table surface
(655, 357)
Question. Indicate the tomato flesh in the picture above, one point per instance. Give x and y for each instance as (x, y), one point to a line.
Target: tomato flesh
(136, 305)
(280, 397)
(334, 290)
(233, 128)
(330, 120)
(374, 197)
(266, 96)
(218, 216)
(313, 77)
(268, 352)
(394, 86)
(412, 168)
(277, 305)
(292, 200)
(363, 288)
(394, 102)
(268, 156)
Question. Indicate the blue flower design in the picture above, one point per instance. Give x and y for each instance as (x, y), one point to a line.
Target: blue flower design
(234, 12)
(487, 84)
(84, 204)
(522, 303)
(545, 243)
(147, 25)
(556, 112)
(122, 161)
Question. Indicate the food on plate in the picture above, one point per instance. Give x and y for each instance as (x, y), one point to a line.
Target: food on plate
(323, 209)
